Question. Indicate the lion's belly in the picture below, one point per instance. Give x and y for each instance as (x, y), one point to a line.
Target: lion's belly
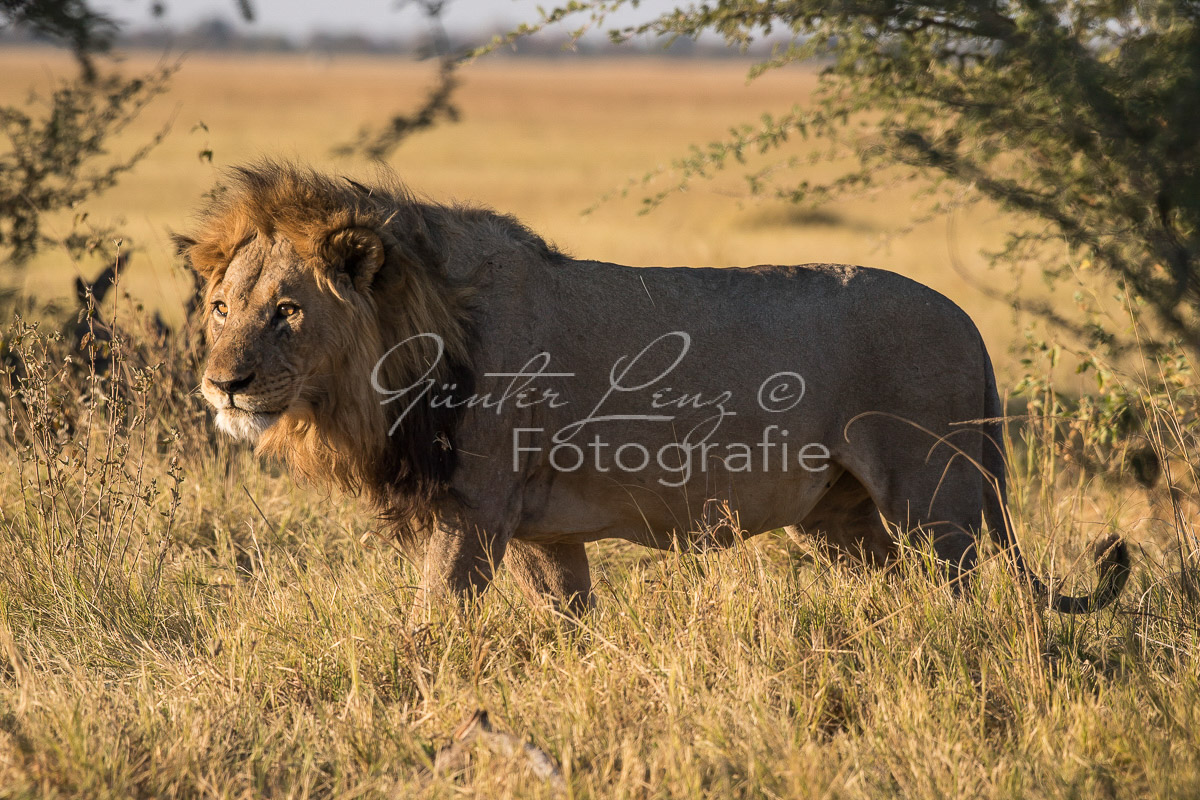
(579, 507)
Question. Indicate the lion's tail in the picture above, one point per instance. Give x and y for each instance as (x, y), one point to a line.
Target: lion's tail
(1110, 552)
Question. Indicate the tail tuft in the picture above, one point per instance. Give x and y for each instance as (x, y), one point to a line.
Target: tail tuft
(1112, 567)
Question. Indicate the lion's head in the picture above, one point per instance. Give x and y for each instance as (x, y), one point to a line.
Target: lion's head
(309, 280)
(281, 324)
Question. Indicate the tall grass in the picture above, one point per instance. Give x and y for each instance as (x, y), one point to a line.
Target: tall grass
(178, 620)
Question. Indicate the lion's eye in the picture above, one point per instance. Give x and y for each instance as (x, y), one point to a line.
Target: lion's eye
(286, 310)
(220, 309)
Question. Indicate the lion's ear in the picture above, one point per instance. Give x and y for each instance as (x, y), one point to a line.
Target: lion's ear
(182, 243)
(356, 252)
(183, 247)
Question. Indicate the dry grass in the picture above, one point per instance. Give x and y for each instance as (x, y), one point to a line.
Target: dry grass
(178, 620)
(245, 638)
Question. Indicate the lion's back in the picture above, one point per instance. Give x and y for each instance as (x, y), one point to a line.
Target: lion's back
(563, 305)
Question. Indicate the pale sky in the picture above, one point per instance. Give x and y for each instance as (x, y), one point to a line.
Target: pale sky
(379, 18)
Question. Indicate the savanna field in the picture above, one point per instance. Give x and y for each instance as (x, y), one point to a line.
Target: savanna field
(179, 619)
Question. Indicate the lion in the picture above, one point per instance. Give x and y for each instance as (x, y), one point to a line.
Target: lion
(499, 402)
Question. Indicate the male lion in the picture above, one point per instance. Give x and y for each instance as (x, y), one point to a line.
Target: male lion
(496, 400)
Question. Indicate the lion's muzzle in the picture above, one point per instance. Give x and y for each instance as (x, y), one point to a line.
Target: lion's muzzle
(245, 404)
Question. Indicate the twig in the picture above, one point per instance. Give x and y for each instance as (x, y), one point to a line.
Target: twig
(454, 756)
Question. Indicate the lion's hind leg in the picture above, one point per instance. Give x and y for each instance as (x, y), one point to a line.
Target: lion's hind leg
(931, 488)
(846, 524)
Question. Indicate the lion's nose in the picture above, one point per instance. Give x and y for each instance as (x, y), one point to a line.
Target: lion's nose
(234, 385)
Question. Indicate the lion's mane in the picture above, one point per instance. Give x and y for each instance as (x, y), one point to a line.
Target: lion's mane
(344, 439)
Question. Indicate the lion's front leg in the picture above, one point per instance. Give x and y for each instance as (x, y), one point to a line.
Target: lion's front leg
(459, 566)
(558, 572)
